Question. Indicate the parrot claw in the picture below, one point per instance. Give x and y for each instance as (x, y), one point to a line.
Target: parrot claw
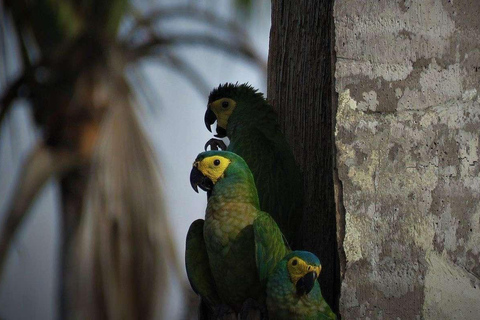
(224, 312)
(215, 144)
(251, 309)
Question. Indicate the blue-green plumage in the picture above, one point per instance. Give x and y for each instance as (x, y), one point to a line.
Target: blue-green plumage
(283, 298)
(243, 114)
(223, 251)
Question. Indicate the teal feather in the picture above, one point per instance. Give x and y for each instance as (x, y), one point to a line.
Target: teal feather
(237, 237)
(255, 135)
(267, 248)
(284, 303)
(198, 267)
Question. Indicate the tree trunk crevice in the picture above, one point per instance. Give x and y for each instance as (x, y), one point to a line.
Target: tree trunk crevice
(301, 88)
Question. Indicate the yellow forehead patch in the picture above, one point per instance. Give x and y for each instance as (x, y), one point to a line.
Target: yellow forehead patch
(223, 108)
(213, 167)
(297, 268)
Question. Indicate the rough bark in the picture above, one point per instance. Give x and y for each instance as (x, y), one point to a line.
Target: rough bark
(300, 88)
(408, 155)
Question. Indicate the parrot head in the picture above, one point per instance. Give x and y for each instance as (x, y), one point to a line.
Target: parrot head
(229, 101)
(303, 269)
(212, 166)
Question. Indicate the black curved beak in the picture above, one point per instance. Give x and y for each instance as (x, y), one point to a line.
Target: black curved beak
(221, 133)
(197, 179)
(306, 283)
(210, 119)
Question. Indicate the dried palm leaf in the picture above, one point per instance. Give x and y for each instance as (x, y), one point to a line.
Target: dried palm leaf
(119, 255)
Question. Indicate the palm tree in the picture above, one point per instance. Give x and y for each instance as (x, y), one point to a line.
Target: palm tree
(74, 55)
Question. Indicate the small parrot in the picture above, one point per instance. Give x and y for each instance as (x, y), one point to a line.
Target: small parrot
(230, 254)
(293, 291)
(245, 117)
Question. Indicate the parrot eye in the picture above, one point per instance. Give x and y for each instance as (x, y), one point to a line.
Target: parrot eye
(216, 162)
(225, 104)
(294, 262)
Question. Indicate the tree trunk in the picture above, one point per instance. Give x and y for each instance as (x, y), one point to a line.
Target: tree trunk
(408, 155)
(300, 88)
(73, 188)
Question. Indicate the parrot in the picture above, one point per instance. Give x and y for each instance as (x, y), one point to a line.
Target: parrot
(230, 254)
(293, 291)
(250, 123)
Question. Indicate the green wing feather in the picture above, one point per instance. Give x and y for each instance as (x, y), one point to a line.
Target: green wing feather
(277, 177)
(270, 246)
(198, 266)
(326, 313)
(240, 260)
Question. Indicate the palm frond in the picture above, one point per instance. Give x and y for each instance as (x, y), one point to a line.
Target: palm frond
(12, 92)
(124, 239)
(154, 16)
(87, 113)
(188, 71)
(144, 88)
(158, 43)
(42, 164)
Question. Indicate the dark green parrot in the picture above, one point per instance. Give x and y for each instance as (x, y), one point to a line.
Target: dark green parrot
(245, 117)
(223, 251)
(293, 291)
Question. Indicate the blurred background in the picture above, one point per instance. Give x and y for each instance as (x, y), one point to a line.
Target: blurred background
(101, 118)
